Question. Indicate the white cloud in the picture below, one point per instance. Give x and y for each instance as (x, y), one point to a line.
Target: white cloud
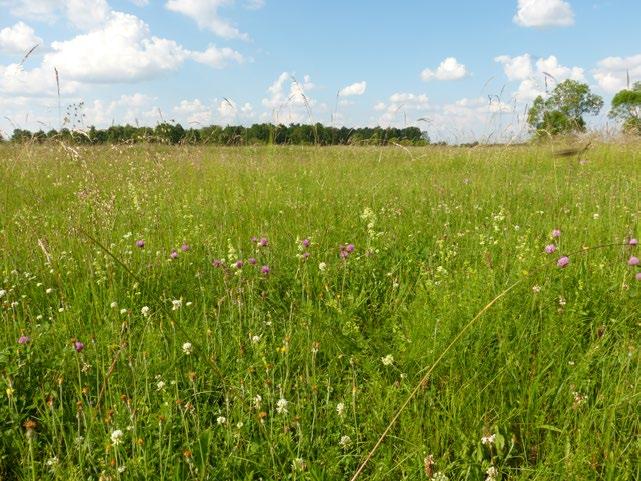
(612, 72)
(448, 69)
(217, 57)
(18, 39)
(205, 14)
(229, 111)
(37, 82)
(127, 109)
(400, 103)
(289, 98)
(124, 50)
(544, 13)
(535, 77)
(254, 4)
(82, 14)
(194, 112)
(357, 88)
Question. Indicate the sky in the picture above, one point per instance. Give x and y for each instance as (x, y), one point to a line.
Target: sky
(460, 70)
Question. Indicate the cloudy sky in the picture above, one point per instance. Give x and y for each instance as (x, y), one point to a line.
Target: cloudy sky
(460, 69)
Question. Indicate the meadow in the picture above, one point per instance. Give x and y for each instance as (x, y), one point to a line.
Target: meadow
(249, 313)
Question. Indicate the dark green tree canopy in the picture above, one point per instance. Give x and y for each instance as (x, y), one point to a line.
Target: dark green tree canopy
(626, 106)
(562, 112)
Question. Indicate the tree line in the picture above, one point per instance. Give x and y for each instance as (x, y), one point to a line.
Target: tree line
(170, 133)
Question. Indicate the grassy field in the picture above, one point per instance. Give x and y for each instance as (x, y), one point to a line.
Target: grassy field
(287, 301)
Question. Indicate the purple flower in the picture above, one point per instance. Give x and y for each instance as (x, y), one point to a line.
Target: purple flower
(217, 263)
(563, 262)
(254, 239)
(550, 248)
(239, 264)
(633, 242)
(349, 248)
(638, 276)
(556, 233)
(140, 243)
(265, 270)
(24, 339)
(78, 346)
(633, 261)
(174, 254)
(263, 242)
(344, 254)
(184, 247)
(252, 261)
(305, 242)
(306, 255)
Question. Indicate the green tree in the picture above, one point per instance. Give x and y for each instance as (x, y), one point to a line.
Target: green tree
(626, 106)
(562, 112)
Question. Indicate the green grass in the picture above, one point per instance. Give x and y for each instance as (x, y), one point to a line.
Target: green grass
(554, 374)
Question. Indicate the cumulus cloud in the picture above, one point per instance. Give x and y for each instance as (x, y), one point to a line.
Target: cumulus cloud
(82, 14)
(448, 69)
(229, 111)
(544, 13)
(127, 109)
(357, 88)
(400, 102)
(612, 72)
(205, 14)
(18, 39)
(289, 98)
(194, 112)
(535, 76)
(124, 50)
(36, 82)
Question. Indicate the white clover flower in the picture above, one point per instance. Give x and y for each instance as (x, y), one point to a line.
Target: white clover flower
(281, 406)
(387, 360)
(255, 339)
(488, 439)
(187, 348)
(121, 469)
(340, 409)
(492, 473)
(113, 305)
(2, 293)
(440, 476)
(160, 385)
(49, 290)
(345, 441)
(239, 424)
(322, 266)
(221, 419)
(176, 304)
(116, 437)
(145, 311)
(257, 400)
(52, 461)
(536, 288)
(123, 311)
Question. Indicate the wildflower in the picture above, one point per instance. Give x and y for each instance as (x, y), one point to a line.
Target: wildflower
(176, 304)
(187, 348)
(638, 276)
(563, 262)
(349, 248)
(52, 462)
(340, 409)
(556, 233)
(550, 249)
(221, 420)
(217, 263)
(488, 439)
(123, 311)
(116, 437)
(30, 426)
(78, 346)
(2, 293)
(113, 305)
(49, 291)
(492, 473)
(185, 247)
(24, 339)
(263, 242)
(305, 242)
(281, 406)
(252, 261)
(440, 476)
(160, 385)
(239, 264)
(387, 360)
(633, 261)
(345, 442)
(140, 243)
(145, 311)
(122, 469)
(322, 266)
(174, 254)
(255, 339)
(633, 242)
(265, 270)
(257, 400)
(536, 288)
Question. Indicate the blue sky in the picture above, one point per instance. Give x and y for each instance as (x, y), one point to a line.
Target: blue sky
(461, 70)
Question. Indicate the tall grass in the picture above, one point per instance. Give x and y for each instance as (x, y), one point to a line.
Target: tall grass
(236, 373)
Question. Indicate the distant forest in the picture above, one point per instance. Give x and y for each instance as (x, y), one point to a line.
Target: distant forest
(257, 134)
